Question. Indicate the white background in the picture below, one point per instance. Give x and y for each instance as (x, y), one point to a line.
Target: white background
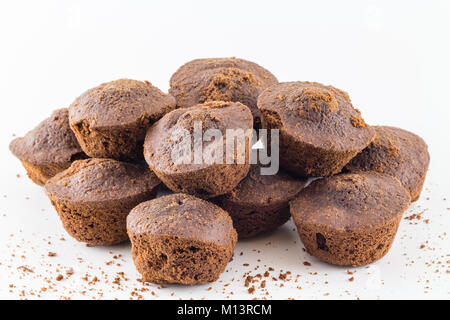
(391, 56)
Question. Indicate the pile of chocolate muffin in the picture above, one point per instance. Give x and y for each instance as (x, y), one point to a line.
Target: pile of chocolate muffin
(102, 160)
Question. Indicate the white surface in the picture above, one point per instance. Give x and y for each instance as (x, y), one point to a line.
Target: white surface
(391, 56)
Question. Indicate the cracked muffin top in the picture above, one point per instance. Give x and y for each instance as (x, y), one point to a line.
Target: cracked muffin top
(396, 152)
(98, 180)
(167, 135)
(182, 216)
(120, 103)
(315, 114)
(220, 79)
(351, 201)
(51, 142)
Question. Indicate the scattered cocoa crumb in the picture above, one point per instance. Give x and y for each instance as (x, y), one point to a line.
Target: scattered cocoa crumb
(25, 269)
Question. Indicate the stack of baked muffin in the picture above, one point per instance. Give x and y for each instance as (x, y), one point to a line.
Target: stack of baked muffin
(102, 161)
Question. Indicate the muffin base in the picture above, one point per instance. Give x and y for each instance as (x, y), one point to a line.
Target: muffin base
(35, 173)
(308, 161)
(97, 224)
(116, 143)
(41, 174)
(304, 159)
(346, 247)
(251, 221)
(205, 183)
(415, 192)
(168, 259)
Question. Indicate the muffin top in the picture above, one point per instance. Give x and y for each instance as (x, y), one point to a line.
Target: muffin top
(315, 114)
(396, 152)
(99, 180)
(164, 144)
(264, 190)
(219, 79)
(182, 216)
(51, 142)
(351, 201)
(120, 103)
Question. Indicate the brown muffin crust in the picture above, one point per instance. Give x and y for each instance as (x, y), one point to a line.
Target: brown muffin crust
(110, 120)
(260, 203)
(204, 179)
(48, 149)
(93, 198)
(180, 239)
(220, 79)
(396, 152)
(320, 131)
(350, 219)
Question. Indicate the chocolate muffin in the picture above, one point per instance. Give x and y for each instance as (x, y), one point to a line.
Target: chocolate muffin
(220, 79)
(110, 121)
(350, 219)
(48, 149)
(180, 239)
(260, 203)
(396, 152)
(320, 131)
(170, 151)
(94, 196)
